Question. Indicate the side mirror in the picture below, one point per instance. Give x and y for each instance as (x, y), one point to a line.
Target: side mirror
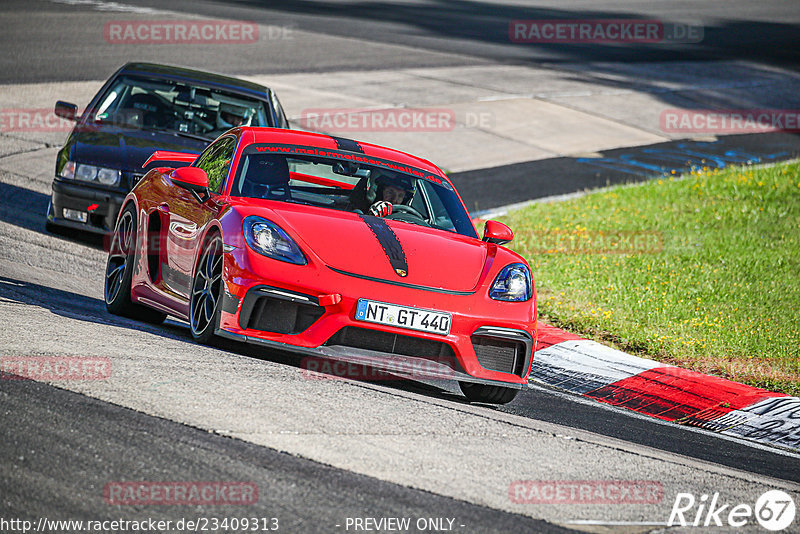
(193, 179)
(497, 233)
(66, 110)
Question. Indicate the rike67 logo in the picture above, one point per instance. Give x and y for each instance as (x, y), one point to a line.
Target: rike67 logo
(774, 510)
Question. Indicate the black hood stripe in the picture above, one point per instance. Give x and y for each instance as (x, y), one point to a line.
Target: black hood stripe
(389, 242)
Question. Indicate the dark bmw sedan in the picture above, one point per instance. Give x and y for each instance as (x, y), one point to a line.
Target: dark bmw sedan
(142, 108)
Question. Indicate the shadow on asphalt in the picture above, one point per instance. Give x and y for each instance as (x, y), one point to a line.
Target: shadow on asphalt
(488, 23)
(484, 189)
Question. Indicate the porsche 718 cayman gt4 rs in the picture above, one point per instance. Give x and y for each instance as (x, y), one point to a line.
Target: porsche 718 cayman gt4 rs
(328, 247)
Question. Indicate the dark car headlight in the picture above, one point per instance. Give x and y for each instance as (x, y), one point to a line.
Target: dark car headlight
(90, 173)
(512, 284)
(269, 239)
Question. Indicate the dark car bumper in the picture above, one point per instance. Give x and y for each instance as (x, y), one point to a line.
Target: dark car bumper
(104, 205)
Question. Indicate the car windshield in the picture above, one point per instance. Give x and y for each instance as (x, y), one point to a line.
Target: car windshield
(417, 196)
(177, 107)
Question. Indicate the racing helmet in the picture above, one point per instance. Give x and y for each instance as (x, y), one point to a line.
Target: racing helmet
(230, 115)
(395, 179)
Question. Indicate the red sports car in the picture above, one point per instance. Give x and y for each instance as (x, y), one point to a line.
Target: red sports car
(329, 247)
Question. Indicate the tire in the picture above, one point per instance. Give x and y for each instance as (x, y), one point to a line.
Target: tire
(488, 394)
(119, 272)
(206, 291)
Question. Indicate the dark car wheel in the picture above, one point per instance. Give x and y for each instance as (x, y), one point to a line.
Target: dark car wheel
(488, 394)
(119, 271)
(204, 305)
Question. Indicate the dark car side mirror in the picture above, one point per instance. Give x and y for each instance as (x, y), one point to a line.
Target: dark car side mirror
(67, 110)
(193, 179)
(497, 233)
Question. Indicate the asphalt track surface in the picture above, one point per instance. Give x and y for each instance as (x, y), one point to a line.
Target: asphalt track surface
(537, 403)
(79, 444)
(59, 448)
(48, 41)
(51, 41)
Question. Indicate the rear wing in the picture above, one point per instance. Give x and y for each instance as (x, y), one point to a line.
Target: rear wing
(165, 158)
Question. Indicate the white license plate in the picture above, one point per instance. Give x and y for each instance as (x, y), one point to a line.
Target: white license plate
(434, 322)
(75, 215)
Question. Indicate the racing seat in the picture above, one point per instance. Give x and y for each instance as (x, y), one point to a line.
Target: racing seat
(363, 195)
(267, 176)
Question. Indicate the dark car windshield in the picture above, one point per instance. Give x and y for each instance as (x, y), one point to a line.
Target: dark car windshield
(179, 107)
(350, 186)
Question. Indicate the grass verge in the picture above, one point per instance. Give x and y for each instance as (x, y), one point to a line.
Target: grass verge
(702, 272)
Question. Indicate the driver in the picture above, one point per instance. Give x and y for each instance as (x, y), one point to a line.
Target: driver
(230, 116)
(392, 189)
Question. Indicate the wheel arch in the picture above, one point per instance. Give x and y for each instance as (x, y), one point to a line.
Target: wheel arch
(212, 228)
(129, 200)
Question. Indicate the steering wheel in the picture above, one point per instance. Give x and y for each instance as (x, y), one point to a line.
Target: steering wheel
(405, 213)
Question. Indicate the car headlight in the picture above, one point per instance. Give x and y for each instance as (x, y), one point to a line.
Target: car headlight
(269, 239)
(87, 173)
(90, 173)
(108, 176)
(512, 284)
(69, 170)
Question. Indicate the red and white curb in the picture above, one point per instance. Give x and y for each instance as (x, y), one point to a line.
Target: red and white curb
(569, 362)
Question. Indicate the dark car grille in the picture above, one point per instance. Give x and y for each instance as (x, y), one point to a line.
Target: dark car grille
(364, 338)
(282, 316)
(501, 355)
